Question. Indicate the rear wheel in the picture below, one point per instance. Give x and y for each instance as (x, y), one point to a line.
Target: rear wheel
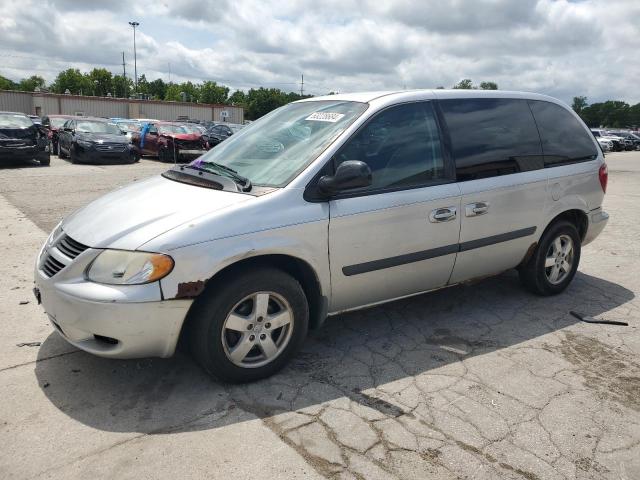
(45, 160)
(555, 261)
(61, 153)
(250, 326)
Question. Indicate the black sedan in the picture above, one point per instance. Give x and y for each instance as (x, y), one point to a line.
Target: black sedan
(21, 139)
(95, 140)
(221, 132)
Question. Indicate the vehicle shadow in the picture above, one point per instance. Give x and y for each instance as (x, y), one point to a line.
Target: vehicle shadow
(351, 355)
(14, 164)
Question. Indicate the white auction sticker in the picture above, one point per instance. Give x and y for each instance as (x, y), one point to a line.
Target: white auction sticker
(325, 117)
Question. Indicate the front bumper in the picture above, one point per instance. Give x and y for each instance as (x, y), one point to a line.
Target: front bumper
(597, 221)
(108, 320)
(93, 155)
(28, 152)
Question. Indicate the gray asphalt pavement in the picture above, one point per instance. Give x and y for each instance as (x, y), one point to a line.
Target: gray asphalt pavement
(479, 381)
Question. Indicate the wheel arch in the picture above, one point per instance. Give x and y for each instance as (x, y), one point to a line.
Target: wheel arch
(298, 268)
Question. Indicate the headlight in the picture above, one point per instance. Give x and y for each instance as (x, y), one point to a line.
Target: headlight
(120, 267)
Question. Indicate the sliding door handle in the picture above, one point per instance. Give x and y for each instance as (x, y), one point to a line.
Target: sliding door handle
(445, 214)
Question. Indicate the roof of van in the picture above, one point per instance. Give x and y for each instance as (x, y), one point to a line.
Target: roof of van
(398, 95)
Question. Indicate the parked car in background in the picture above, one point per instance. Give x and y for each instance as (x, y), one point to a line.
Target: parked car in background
(94, 140)
(22, 140)
(53, 123)
(35, 119)
(222, 131)
(198, 129)
(617, 142)
(605, 144)
(128, 127)
(170, 142)
(631, 141)
(326, 205)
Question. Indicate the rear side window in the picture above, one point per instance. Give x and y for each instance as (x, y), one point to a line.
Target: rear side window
(564, 138)
(402, 147)
(492, 137)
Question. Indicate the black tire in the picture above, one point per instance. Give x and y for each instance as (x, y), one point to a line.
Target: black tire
(534, 273)
(61, 153)
(162, 155)
(209, 312)
(45, 160)
(73, 155)
(133, 157)
(53, 147)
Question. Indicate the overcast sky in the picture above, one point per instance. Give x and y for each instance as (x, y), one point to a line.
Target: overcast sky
(558, 47)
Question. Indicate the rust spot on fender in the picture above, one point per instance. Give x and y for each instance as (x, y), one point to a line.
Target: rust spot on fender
(190, 289)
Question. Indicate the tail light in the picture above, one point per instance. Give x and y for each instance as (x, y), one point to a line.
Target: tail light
(603, 175)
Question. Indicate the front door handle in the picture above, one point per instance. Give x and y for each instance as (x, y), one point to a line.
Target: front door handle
(476, 209)
(445, 214)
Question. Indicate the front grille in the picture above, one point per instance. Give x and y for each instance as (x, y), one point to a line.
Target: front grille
(111, 147)
(69, 247)
(189, 144)
(51, 266)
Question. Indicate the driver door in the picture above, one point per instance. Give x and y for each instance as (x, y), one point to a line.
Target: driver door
(398, 236)
(151, 140)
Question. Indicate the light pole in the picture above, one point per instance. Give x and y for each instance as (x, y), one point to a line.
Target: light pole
(135, 59)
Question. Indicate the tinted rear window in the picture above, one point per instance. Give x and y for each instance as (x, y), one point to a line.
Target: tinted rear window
(564, 138)
(492, 136)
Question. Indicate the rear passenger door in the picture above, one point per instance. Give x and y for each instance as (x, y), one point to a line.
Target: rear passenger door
(398, 236)
(500, 172)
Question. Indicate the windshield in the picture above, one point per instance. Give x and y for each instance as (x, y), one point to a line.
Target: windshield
(11, 120)
(235, 128)
(97, 127)
(171, 129)
(57, 122)
(191, 129)
(274, 149)
(129, 126)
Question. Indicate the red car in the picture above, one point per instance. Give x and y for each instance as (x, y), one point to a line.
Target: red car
(53, 123)
(170, 142)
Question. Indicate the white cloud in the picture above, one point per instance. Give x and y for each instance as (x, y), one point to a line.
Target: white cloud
(560, 47)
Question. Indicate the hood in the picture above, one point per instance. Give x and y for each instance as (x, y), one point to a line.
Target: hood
(185, 136)
(104, 137)
(131, 216)
(18, 133)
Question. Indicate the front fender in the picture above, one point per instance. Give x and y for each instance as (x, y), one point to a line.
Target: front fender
(196, 264)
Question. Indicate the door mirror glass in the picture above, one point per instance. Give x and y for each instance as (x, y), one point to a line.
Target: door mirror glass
(350, 174)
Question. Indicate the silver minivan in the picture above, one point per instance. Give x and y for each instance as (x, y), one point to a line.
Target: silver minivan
(325, 205)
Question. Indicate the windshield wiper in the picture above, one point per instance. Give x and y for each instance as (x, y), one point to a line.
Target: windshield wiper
(243, 182)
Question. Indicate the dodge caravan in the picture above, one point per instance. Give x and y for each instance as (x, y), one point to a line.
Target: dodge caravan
(325, 205)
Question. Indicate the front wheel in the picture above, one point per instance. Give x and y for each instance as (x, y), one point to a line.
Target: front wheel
(554, 262)
(249, 326)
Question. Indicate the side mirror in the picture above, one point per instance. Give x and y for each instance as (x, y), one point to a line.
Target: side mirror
(350, 174)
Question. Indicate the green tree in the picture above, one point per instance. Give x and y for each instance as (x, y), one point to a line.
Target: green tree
(122, 86)
(237, 98)
(488, 86)
(157, 88)
(579, 103)
(172, 93)
(102, 81)
(30, 84)
(191, 90)
(7, 84)
(465, 84)
(211, 92)
(262, 100)
(143, 85)
(74, 81)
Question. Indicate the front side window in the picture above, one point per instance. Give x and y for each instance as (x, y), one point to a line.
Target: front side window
(277, 147)
(168, 129)
(401, 146)
(564, 138)
(492, 137)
